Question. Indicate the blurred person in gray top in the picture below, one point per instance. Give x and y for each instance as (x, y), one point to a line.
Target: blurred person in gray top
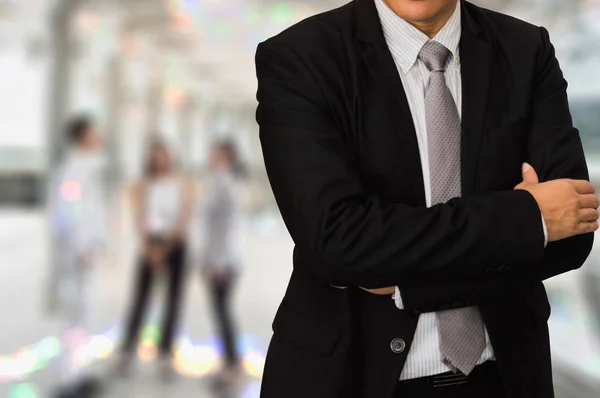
(221, 258)
(78, 227)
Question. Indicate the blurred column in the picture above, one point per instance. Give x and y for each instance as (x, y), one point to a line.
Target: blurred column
(250, 136)
(186, 133)
(61, 37)
(201, 135)
(114, 112)
(154, 105)
(217, 121)
(115, 166)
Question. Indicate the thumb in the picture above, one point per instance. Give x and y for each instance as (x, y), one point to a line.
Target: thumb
(529, 174)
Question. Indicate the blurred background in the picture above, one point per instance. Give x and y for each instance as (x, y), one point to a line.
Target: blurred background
(183, 71)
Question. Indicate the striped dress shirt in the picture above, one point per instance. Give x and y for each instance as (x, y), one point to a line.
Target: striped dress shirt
(405, 42)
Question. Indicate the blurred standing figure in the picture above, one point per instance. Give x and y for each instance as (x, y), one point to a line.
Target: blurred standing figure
(220, 254)
(163, 204)
(78, 226)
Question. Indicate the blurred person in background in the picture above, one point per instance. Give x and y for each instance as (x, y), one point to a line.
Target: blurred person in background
(163, 203)
(78, 226)
(591, 291)
(221, 260)
(395, 135)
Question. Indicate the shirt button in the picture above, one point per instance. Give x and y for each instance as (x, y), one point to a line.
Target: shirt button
(397, 346)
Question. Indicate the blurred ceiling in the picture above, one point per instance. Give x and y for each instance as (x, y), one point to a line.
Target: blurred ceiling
(212, 42)
(214, 39)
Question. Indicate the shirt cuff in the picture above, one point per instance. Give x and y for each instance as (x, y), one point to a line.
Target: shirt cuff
(397, 297)
(545, 232)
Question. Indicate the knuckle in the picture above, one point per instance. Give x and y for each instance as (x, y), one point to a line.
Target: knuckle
(573, 225)
(575, 202)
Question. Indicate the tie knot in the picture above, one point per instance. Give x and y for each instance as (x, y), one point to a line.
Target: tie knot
(434, 55)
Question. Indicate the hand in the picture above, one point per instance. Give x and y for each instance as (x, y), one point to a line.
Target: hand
(86, 260)
(339, 287)
(219, 277)
(385, 291)
(569, 207)
(156, 256)
(215, 277)
(174, 237)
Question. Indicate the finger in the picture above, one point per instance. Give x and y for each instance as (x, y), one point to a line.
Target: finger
(583, 187)
(586, 227)
(386, 291)
(587, 215)
(529, 174)
(340, 287)
(589, 202)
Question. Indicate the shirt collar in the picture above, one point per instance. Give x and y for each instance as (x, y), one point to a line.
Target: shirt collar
(405, 41)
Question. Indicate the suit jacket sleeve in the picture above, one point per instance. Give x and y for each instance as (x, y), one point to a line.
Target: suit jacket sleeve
(347, 236)
(555, 151)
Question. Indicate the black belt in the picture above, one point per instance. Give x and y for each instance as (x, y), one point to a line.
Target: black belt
(481, 373)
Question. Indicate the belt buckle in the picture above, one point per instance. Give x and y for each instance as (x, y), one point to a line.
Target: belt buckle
(450, 379)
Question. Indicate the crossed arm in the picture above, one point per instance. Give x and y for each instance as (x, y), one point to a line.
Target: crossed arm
(555, 152)
(350, 238)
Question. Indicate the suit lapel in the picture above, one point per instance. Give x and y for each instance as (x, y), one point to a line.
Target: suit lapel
(475, 56)
(385, 75)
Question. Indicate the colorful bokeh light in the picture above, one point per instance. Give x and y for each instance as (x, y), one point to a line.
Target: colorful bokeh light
(23, 390)
(70, 191)
(191, 359)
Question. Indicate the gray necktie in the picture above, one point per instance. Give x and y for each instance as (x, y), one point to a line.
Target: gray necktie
(461, 331)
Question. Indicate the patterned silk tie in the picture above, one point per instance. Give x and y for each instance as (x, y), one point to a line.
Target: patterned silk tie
(461, 331)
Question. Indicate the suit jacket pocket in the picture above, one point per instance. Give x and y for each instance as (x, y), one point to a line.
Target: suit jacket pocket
(305, 330)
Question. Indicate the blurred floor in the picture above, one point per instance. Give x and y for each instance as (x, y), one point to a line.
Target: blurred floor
(27, 338)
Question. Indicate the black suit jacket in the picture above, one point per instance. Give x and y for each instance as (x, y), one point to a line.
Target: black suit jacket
(342, 157)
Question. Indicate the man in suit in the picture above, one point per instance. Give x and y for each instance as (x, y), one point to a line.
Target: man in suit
(428, 146)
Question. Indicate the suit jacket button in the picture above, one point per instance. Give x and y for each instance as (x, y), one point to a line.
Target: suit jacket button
(397, 346)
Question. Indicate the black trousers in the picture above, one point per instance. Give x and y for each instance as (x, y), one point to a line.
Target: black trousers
(175, 268)
(221, 290)
(483, 382)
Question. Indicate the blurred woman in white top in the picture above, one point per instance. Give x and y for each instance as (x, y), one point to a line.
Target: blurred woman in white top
(78, 227)
(163, 202)
(221, 258)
